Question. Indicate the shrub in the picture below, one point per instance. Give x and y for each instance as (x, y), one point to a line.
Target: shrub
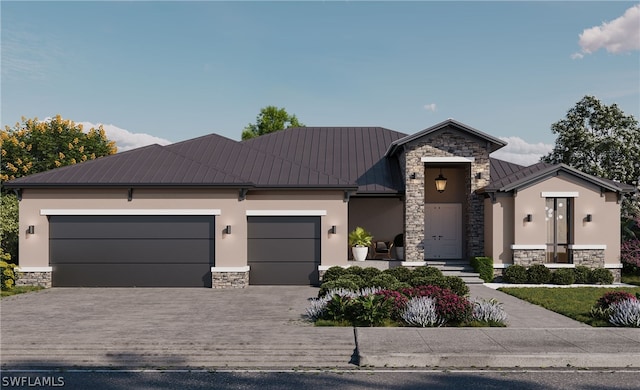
(609, 298)
(563, 276)
(421, 311)
(490, 312)
(403, 274)
(483, 266)
(337, 307)
(457, 285)
(368, 310)
(340, 283)
(369, 274)
(426, 271)
(630, 255)
(601, 276)
(354, 270)
(7, 276)
(397, 300)
(625, 313)
(582, 274)
(333, 273)
(384, 281)
(450, 306)
(515, 274)
(538, 274)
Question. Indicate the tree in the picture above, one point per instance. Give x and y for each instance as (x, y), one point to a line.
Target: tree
(35, 146)
(270, 119)
(602, 141)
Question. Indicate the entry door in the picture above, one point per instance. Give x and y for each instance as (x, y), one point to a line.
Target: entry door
(443, 231)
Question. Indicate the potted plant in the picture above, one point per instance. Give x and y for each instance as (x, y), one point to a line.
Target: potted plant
(360, 241)
(398, 243)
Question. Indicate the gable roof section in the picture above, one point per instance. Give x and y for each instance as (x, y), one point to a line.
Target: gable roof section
(147, 166)
(536, 173)
(354, 154)
(495, 143)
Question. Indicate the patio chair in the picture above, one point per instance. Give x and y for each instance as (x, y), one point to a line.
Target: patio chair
(381, 248)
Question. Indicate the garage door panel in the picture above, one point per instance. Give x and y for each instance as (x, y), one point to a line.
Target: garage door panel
(131, 275)
(283, 227)
(284, 250)
(283, 273)
(126, 251)
(133, 226)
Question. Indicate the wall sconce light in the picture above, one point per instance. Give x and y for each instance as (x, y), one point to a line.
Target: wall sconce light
(413, 176)
(227, 230)
(529, 218)
(333, 229)
(441, 182)
(31, 229)
(589, 218)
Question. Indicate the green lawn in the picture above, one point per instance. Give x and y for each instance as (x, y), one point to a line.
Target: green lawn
(631, 279)
(19, 290)
(573, 302)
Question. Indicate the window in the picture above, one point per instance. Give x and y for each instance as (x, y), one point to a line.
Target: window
(559, 229)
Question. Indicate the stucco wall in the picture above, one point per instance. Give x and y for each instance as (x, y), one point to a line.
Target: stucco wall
(231, 250)
(499, 224)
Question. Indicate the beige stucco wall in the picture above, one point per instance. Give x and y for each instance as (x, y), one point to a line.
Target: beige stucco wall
(499, 232)
(231, 250)
(604, 230)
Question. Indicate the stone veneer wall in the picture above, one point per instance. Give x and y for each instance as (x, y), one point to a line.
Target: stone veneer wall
(528, 257)
(592, 258)
(229, 279)
(42, 279)
(445, 143)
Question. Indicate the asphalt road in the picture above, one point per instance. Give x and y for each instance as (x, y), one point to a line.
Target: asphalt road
(326, 379)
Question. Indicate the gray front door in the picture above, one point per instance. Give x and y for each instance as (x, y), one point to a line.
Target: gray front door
(131, 251)
(283, 250)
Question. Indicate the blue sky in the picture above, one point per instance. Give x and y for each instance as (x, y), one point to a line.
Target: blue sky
(177, 70)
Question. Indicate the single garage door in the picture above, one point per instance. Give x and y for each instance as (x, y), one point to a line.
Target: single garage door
(131, 251)
(283, 250)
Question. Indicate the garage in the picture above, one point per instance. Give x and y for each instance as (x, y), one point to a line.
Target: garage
(283, 250)
(131, 250)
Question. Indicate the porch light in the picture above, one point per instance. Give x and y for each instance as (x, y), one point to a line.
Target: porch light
(441, 182)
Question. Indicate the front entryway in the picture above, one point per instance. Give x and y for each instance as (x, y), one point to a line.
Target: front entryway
(442, 230)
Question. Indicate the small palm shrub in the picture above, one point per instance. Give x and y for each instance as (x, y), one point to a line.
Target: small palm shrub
(538, 274)
(422, 311)
(333, 273)
(582, 274)
(625, 313)
(601, 276)
(516, 274)
(563, 276)
(369, 310)
(489, 312)
(403, 274)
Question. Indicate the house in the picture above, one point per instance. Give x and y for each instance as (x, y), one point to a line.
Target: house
(277, 209)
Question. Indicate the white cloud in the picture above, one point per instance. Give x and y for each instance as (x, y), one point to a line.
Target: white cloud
(519, 151)
(124, 139)
(618, 36)
(430, 107)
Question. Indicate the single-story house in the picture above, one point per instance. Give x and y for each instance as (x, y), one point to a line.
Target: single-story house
(277, 209)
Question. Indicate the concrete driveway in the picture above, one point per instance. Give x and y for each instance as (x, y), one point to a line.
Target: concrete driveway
(168, 327)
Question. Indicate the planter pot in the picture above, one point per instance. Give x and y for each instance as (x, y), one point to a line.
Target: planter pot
(360, 253)
(399, 253)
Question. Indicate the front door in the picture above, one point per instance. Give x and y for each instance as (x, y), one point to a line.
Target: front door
(443, 231)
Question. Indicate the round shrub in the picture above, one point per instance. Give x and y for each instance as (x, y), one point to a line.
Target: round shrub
(403, 274)
(426, 271)
(355, 270)
(418, 280)
(601, 276)
(582, 274)
(333, 273)
(538, 274)
(563, 276)
(384, 281)
(457, 285)
(516, 274)
(347, 284)
(369, 273)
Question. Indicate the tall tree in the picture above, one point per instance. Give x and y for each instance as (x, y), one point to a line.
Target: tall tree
(35, 146)
(270, 119)
(602, 141)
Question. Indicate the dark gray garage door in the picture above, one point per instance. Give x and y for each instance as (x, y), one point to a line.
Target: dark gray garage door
(284, 250)
(128, 251)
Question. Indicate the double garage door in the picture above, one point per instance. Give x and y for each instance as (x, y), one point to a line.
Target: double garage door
(176, 251)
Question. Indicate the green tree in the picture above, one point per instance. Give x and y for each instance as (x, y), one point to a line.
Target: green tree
(35, 146)
(270, 119)
(602, 141)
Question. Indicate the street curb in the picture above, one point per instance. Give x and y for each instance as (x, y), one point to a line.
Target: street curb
(584, 360)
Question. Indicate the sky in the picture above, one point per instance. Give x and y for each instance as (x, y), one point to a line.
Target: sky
(162, 72)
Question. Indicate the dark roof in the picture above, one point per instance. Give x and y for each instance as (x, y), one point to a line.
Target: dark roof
(535, 173)
(500, 168)
(495, 143)
(354, 154)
